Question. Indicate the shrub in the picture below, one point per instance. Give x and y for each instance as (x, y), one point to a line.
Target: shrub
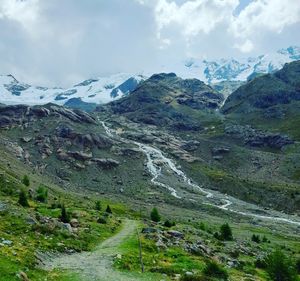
(298, 265)
(23, 198)
(255, 238)
(42, 194)
(98, 206)
(108, 210)
(154, 215)
(260, 263)
(64, 217)
(225, 232)
(213, 269)
(26, 180)
(202, 226)
(280, 267)
(102, 220)
(169, 223)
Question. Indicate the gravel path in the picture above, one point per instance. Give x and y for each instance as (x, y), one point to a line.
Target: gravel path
(97, 265)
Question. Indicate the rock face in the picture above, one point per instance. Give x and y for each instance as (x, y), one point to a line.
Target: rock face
(20, 114)
(257, 138)
(165, 99)
(266, 91)
(86, 140)
(106, 163)
(79, 155)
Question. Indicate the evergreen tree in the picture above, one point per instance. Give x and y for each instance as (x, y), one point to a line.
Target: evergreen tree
(26, 180)
(155, 216)
(42, 194)
(280, 267)
(64, 215)
(98, 206)
(225, 232)
(23, 198)
(108, 210)
(255, 238)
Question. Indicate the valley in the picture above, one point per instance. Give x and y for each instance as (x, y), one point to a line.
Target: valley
(93, 179)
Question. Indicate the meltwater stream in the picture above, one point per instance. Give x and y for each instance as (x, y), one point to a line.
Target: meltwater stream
(154, 155)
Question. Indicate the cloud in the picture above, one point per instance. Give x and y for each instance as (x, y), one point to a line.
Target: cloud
(25, 12)
(199, 17)
(193, 17)
(57, 43)
(245, 47)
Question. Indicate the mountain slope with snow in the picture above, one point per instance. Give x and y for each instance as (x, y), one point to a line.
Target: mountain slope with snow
(234, 69)
(99, 90)
(106, 89)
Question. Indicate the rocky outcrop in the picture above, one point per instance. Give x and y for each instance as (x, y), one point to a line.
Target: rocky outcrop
(80, 155)
(86, 140)
(257, 138)
(11, 115)
(106, 163)
(190, 145)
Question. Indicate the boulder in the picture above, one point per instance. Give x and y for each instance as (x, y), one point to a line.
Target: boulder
(190, 145)
(175, 234)
(74, 223)
(106, 163)
(80, 155)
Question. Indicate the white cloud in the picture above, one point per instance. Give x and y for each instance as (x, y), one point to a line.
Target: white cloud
(193, 17)
(25, 12)
(245, 47)
(273, 15)
(202, 17)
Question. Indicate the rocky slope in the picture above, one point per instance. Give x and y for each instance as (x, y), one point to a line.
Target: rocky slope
(167, 100)
(272, 97)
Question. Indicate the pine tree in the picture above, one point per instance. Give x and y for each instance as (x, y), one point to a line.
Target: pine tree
(280, 267)
(255, 238)
(98, 206)
(42, 194)
(26, 180)
(64, 215)
(225, 232)
(155, 216)
(23, 198)
(108, 210)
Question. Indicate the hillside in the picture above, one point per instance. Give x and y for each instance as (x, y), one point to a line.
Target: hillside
(169, 101)
(166, 145)
(273, 98)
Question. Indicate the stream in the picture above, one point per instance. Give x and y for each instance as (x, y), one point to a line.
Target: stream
(156, 160)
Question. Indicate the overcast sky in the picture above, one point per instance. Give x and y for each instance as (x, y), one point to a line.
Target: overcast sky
(60, 42)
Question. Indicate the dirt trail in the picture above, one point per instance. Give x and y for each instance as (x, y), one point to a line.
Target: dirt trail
(97, 265)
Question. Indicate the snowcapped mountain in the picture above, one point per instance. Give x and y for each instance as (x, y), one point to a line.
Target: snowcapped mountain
(98, 90)
(105, 89)
(234, 69)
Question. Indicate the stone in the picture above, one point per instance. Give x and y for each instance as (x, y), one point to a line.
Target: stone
(23, 276)
(26, 139)
(106, 163)
(7, 242)
(149, 230)
(80, 155)
(67, 227)
(176, 234)
(74, 223)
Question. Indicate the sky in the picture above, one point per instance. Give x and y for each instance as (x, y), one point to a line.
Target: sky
(62, 42)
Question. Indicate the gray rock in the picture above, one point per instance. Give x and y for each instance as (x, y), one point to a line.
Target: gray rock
(80, 155)
(176, 234)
